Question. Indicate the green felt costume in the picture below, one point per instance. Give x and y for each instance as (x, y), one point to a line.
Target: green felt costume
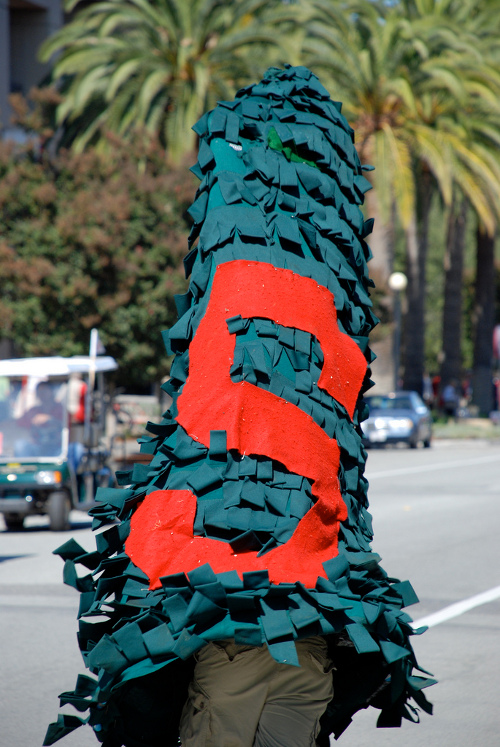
(204, 542)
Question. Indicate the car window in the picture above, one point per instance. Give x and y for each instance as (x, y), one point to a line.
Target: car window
(373, 402)
(399, 403)
(389, 403)
(32, 417)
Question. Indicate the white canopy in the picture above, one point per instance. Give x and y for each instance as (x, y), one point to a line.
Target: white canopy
(56, 365)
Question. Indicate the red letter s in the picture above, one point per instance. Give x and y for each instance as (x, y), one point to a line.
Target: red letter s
(256, 422)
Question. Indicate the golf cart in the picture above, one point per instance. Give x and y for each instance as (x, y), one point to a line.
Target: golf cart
(53, 453)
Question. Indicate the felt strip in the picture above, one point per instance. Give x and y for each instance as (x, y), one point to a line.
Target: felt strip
(64, 725)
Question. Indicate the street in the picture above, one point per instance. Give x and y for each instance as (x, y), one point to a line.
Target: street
(436, 521)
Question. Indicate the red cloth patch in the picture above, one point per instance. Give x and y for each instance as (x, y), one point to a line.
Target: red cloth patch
(256, 422)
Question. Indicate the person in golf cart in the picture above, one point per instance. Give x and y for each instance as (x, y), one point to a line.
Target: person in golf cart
(44, 421)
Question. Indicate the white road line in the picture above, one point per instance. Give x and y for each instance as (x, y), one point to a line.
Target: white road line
(432, 467)
(454, 610)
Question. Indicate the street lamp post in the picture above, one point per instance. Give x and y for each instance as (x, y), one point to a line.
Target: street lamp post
(397, 283)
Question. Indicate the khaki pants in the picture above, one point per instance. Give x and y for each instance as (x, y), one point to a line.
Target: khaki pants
(241, 697)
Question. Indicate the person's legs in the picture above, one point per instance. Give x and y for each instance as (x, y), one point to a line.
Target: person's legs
(76, 450)
(226, 696)
(298, 697)
(241, 697)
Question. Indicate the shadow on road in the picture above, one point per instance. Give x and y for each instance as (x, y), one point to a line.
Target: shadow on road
(5, 558)
(34, 524)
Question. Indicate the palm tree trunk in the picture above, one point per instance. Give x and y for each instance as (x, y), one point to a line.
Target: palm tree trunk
(484, 318)
(417, 241)
(381, 242)
(451, 366)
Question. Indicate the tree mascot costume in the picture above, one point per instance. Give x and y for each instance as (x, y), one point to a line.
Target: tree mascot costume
(250, 522)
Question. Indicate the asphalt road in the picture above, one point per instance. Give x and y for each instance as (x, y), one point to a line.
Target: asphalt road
(437, 522)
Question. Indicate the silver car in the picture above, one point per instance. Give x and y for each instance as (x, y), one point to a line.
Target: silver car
(400, 417)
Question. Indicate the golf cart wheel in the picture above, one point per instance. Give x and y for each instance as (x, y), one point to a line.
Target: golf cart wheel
(59, 506)
(14, 522)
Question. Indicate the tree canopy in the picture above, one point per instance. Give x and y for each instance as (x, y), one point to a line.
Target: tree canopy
(156, 64)
(93, 240)
(419, 81)
(420, 86)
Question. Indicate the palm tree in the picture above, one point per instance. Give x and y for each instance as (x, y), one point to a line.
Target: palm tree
(465, 126)
(371, 61)
(462, 108)
(485, 17)
(157, 64)
(361, 60)
(485, 133)
(474, 122)
(484, 306)
(451, 363)
(396, 71)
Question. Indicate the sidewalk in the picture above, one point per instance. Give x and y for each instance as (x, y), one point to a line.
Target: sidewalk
(467, 428)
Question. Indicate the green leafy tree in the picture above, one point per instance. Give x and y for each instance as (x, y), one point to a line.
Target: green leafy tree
(484, 322)
(157, 64)
(463, 124)
(93, 240)
(460, 109)
(373, 62)
(484, 17)
(413, 82)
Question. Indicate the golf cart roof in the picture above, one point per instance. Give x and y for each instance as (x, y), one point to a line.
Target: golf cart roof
(56, 365)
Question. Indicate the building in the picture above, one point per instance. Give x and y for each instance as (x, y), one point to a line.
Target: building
(24, 25)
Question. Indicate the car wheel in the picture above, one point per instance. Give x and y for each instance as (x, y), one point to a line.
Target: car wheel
(59, 506)
(427, 443)
(14, 522)
(413, 443)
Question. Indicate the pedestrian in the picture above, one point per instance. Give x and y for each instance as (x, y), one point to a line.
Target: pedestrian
(243, 605)
(41, 424)
(450, 400)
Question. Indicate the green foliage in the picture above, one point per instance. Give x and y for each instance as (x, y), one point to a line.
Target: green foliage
(93, 240)
(420, 88)
(419, 80)
(435, 286)
(159, 64)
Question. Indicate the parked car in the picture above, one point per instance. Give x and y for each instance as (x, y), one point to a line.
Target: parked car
(399, 417)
